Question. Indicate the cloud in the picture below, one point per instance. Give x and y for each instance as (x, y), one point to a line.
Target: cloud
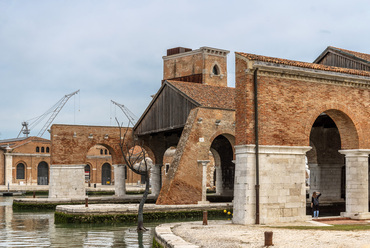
(113, 49)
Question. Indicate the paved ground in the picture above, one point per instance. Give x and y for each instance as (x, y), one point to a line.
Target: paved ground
(224, 234)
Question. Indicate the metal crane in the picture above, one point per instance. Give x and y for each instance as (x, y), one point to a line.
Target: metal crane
(54, 111)
(130, 116)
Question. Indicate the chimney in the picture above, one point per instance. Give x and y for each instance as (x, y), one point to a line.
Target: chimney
(177, 50)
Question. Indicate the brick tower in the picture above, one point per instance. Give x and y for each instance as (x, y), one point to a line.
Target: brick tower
(205, 65)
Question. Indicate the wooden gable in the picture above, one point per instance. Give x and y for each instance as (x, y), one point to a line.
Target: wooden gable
(340, 58)
(168, 110)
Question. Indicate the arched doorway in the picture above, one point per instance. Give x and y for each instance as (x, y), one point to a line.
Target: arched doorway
(96, 156)
(106, 174)
(42, 173)
(87, 173)
(326, 164)
(223, 156)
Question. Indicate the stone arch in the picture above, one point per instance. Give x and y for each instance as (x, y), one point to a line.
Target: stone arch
(116, 155)
(349, 129)
(222, 148)
(228, 135)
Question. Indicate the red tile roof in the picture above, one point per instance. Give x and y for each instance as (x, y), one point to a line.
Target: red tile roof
(304, 64)
(207, 95)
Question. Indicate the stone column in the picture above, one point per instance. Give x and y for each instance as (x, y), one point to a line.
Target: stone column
(282, 191)
(119, 180)
(8, 168)
(357, 183)
(204, 163)
(67, 181)
(219, 188)
(315, 178)
(155, 175)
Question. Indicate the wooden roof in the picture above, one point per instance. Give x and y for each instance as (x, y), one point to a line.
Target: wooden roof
(173, 102)
(304, 64)
(333, 56)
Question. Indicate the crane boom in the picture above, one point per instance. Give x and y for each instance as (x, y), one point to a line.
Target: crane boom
(130, 116)
(56, 111)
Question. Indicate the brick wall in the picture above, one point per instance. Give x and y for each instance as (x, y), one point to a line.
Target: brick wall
(289, 105)
(184, 179)
(71, 143)
(195, 62)
(2, 167)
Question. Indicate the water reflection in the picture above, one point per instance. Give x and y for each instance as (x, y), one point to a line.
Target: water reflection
(37, 229)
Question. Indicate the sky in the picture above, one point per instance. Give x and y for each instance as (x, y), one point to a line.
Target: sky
(112, 49)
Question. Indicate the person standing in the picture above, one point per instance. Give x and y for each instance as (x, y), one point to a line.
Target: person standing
(315, 203)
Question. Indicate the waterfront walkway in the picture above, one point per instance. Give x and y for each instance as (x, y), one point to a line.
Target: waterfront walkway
(224, 234)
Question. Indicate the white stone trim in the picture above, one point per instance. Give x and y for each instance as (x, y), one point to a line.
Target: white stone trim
(30, 155)
(355, 152)
(272, 149)
(202, 50)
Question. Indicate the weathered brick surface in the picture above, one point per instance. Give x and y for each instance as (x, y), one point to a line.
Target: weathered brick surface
(184, 179)
(199, 61)
(289, 105)
(2, 168)
(71, 142)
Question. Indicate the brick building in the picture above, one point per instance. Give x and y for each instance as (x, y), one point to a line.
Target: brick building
(288, 113)
(193, 112)
(287, 110)
(281, 115)
(26, 162)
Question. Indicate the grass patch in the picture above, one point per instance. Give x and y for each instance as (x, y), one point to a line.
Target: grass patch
(329, 228)
(156, 244)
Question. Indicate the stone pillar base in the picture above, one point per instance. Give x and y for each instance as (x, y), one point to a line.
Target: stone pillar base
(282, 194)
(156, 179)
(356, 216)
(119, 178)
(67, 181)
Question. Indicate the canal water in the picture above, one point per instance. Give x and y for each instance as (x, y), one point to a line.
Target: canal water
(37, 229)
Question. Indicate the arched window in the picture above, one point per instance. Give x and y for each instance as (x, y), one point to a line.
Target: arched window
(101, 151)
(37, 149)
(167, 168)
(216, 70)
(42, 149)
(20, 171)
(105, 151)
(47, 150)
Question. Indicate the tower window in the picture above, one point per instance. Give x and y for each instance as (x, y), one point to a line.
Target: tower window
(216, 70)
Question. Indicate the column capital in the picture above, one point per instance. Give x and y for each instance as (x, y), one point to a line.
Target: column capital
(355, 152)
(203, 162)
(272, 149)
(118, 165)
